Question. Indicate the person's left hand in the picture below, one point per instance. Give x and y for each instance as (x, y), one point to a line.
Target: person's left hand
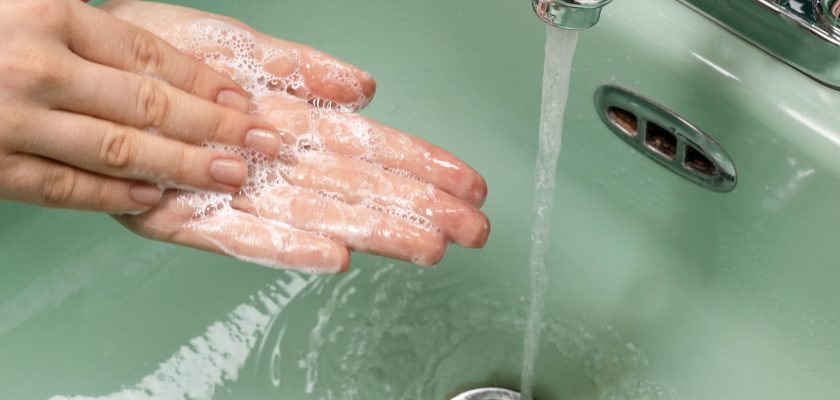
(343, 182)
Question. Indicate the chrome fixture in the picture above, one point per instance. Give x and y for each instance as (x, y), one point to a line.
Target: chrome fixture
(570, 14)
(488, 394)
(830, 10)
(803, 33)
(666, 138)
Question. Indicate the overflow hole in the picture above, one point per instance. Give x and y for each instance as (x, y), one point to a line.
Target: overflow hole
(660, 140)
(624, 119)
(696, 161)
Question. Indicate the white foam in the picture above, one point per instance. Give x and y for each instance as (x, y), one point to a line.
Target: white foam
(229, 48)
(238, 52)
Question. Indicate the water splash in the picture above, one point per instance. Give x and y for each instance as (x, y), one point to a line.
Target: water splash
(559, 50)
(203, 365)
(388, 332)
(406, 334)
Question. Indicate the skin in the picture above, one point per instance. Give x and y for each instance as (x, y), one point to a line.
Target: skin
(75, 119)
(66, 142)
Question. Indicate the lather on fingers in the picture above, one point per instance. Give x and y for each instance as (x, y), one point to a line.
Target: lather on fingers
(360, 228)
(360, 183)
(323, 79)
(240, 235)
(353, 135)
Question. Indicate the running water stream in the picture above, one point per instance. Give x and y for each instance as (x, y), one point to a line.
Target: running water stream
(559, 50)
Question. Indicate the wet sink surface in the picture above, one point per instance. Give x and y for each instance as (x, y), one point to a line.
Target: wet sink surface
(658, 289)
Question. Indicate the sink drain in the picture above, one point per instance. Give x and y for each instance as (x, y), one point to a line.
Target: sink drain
(488, 394)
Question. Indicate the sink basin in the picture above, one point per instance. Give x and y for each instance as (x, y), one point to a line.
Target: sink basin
(659, 288)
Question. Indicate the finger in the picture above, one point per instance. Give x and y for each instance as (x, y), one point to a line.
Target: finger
(359, 183)
(137, 50)
(243, 236)
(248, 238)
(269, 64)
(118, 151)
(231, 46)
(328, 82)
(359, 228)
(359, 137)
(43, 182)
(145, 102)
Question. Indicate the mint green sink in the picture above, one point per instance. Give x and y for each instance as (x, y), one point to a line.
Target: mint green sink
(659, 288)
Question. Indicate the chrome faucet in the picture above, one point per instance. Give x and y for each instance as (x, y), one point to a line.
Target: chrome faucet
(489, 393)
(570, 14)
(802, 33)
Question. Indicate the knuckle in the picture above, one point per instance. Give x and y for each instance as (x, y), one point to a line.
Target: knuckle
(147, 51)
(14, 121)
(219, 119)
(220, 123)
(12, 64)
(105, 201)
(117, 148)
(105, 198)
(50, 14)
(195, 78)
(48, 73)
(58, 186)
(153, 103)
(29, 70)
(179, 165)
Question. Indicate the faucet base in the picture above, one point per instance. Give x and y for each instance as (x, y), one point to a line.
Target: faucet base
(570, 14)
(488, 394)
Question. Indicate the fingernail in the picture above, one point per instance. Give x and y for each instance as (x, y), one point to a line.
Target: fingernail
(268, 143)
(228, 172)
(145, 194)
(234, 99)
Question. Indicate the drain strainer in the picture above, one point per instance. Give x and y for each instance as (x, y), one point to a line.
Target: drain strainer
(488, 394)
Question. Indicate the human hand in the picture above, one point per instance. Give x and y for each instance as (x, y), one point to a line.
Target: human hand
(341, 182)
(80, 93)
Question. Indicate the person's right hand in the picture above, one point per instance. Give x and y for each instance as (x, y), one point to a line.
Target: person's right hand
(81, 92)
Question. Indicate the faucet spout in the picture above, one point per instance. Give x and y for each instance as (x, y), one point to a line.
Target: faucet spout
(570, 14)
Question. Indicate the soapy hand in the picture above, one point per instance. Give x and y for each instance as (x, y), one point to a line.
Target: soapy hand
(341, 181)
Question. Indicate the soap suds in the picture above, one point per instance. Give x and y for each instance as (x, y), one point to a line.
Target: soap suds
(276, 79)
